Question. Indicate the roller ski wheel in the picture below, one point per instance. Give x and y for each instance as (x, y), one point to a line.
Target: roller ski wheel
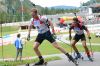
(27, 64)
(45, 64)
(69, 60)
(90, 59)
(76, 63)
(73, 60)
(79, 57)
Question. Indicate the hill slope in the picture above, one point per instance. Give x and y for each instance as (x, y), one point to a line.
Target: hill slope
(64, 7)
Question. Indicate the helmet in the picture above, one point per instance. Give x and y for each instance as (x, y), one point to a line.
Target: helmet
(76, 19)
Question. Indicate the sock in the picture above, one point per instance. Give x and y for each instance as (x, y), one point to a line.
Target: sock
(67, 54)
(40, 57)
(88, 54)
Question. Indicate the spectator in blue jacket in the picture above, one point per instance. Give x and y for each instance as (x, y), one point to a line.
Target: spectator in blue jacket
(19, 47)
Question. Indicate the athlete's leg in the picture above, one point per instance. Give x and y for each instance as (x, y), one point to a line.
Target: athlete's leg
(50, 38)
(55, 44)
(58, 47)
(36, 45)
(74, 47)
(87, 50)
(75, 40)
(83, 39)
(38, 53)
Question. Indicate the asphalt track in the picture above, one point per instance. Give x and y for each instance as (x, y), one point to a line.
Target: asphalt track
(64, 61)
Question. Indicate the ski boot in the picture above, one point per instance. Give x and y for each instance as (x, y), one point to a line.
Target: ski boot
(41, 62)
(90, 59)
(79, 56)
(73, 60)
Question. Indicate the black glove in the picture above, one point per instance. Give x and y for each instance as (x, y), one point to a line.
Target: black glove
(70, 37)
(89, 37)
(28, 37)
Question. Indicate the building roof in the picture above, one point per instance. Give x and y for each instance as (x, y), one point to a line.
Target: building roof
(95, 5)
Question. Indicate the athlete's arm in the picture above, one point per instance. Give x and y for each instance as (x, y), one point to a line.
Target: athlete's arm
(88, 32)
(70, 37)
(29, 30)
(52, 26)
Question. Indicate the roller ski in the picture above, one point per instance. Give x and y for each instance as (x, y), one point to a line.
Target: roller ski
(41, 62)
(44, 64)
(73, 60)
(76, 62)
(79, 56)
(90, 58)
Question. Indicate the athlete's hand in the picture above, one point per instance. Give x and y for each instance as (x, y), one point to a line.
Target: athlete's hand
(70, 37)
(28, 37)
(89, 37)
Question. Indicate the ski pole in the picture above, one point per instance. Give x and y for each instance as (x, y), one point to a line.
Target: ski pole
(71, 46)
(55, 37)
(63, 42)
(91, 48)
(75, 15)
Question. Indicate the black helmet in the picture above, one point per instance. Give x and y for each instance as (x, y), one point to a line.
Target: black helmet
(76, 19)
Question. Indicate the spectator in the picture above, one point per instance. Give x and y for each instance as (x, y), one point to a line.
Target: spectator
(19, 47)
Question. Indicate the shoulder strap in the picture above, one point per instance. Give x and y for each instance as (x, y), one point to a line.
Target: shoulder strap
(46, 23)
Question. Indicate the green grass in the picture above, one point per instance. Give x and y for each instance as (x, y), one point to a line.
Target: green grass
(9, 30)
(13, 29)
(15, 63)
(95, 39)
(46, 48)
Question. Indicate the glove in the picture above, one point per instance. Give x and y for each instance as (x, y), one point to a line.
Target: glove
(70, 37)
(28, 37)
(89, 37)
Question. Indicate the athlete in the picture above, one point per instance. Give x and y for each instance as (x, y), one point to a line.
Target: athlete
(40, 22)
(79, 28)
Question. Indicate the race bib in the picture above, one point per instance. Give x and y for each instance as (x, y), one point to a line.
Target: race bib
(77, 30)
(36, 23)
